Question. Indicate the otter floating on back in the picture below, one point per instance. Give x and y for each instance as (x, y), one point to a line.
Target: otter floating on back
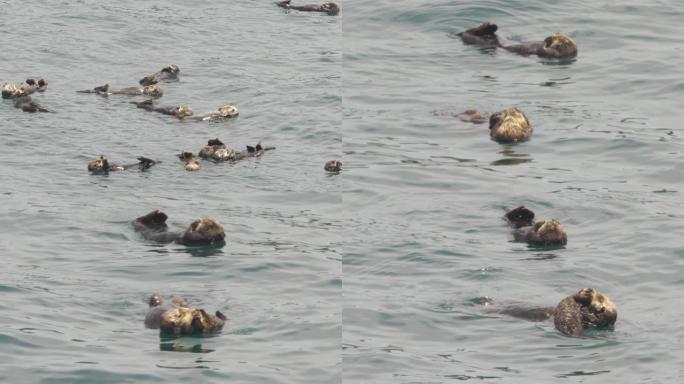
(180, 111)
(103, 166)
(28, 87)
(190, 160)
(556, 46)
(148, 90)
(181, 319)
(583, 310)
(331, 9)
(217, 151)
(166, 74)
(200, 232)
(541, 233)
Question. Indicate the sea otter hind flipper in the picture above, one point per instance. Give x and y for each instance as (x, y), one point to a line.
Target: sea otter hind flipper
(284, 4)
(145, 163)
(221, 316)
(215, 141)
(147, 104)
(153, 220)
(251, 149)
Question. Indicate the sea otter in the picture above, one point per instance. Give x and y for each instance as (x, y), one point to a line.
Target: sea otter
(212, 146)
(333, 166)
(28, 87)
(575, 313)
(507, 126)
(556, 46)
(27, 104)
(167, 74)
(541, 233)
(180, 111)
(224, 112)
(181, 319)
(202, 231)
(191, 162)
(229, 154)
(148, 90)
(331, 9)
(103, 166)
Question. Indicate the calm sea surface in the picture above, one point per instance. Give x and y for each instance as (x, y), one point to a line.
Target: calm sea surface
(370, 276)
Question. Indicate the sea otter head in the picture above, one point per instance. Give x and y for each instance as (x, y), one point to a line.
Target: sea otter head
(331, 9)
(549, 232)
(153, 90)
(155, 300)
(10, 90)
(202, 231)
(509, 126)
(597, 309)
(183, 111)
(559, 45)
(223, 154)
(228, 111)
(178, 321)
(333, 166)
(171, 69)
(99, 165)
(520, 217)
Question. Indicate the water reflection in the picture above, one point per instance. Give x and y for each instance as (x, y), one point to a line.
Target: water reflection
(204, 251)
(173, 343)
(510, 157)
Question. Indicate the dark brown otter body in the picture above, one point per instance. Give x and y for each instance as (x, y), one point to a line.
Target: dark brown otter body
(555, 46)
(541, 233)
(181, 319)
(148, 90)
(102, 165)
(166, 74)
(331, 9)
(180, 111)
(200, 232)
(575, 313)
(27, 104)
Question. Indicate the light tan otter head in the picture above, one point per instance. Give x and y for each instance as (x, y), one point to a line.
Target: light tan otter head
(192, 166)
(559, 45)
(549, 232)
(202, 231)
(183, 111)
(99, 165)
(228, 111)
(223, 154)
(597, 309)
(330, 8)
(509, 126)
(172, 68)
(10, 90)
(333, 166)
(153, 90)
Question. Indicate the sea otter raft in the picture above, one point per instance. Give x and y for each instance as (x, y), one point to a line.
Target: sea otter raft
(557, 46)
(573, 315)
(181, 319)
(200, 232)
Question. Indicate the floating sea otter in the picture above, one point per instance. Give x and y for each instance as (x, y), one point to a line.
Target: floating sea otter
(27, 104)
(218, 151)
(28, 87)
(181, 319)
(585, 309)
(167, 74)
(541, 233)
(333, 166)
(555, 46)
(190, 160)
(202, 231)
(226, 111)
(507, 126)
(180, 111)
(102, 165)
(148, 90)
(331, 9)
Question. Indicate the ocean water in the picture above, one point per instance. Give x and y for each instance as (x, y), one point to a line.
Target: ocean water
(369, 276)
(76, 277)
(425, 197)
